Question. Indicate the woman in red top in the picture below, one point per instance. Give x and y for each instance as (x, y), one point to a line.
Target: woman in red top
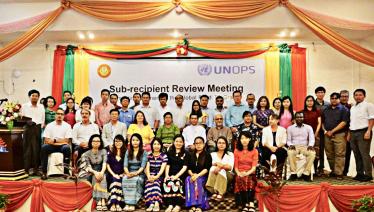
(246, 159)
(312, 117)
(70, 112)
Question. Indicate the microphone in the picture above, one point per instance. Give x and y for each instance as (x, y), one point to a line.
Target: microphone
(4, 100)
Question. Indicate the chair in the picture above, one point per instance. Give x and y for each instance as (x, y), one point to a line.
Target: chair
(300, 164)
(54, 159)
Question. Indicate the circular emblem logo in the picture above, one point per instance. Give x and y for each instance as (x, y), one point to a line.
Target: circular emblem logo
(104, 71)
(204, 69)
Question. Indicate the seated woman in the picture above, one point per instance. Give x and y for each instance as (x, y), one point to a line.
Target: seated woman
(274, 138)
(220, 172)
(246, 159)
(93, 165)
(198, 166)
(175, 174)
(115, 173)
(134, 165)
(141, 126)
(154, 170)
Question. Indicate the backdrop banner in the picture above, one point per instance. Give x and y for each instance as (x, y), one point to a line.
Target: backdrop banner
(188, 77)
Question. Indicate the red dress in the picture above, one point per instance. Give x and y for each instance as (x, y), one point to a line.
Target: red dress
(244, 161)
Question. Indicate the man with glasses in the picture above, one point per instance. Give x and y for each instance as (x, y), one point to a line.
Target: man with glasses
(215, 132)
(57, 136)
(334, 119)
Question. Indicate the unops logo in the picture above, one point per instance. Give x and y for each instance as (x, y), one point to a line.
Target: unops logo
(204, 69)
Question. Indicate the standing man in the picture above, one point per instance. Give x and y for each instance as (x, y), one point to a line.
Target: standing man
(57, 137)
(163, 108)
(344, 100)
(321, 106)
(220, 109)
(114, 100)
(234, 114)
(151, 113)
(251, 102)
(334, 119)
(113, 128)
(32, 132)
(179, 113)
(126, 115)
(103, 108)
(204, 100)
(300, 140)
(361, 125)
(136, 98)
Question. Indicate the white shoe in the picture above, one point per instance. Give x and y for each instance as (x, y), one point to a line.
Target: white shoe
(169, 209)
(126, 208)
(150, 208)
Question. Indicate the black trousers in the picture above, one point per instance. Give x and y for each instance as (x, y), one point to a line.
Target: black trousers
(280, 153)
(31, 146)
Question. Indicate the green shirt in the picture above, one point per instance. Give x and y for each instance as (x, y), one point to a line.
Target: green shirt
(49, 116)
(167, 134)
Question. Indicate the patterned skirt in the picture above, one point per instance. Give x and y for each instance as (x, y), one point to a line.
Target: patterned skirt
(173, 192)
(246, 183)
(152, 192)
(196, 195)
(115, 192)
(132, 189)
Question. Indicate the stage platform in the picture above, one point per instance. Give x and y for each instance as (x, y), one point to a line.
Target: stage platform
(58, 194)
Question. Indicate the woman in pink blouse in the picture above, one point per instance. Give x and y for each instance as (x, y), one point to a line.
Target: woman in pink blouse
(286, 112)
(245, 162)
(70, 112)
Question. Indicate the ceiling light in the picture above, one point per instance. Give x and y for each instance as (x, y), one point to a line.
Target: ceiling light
(91, 35)
(176, 34)
(282, 34)
(81, 36)
(293, 34)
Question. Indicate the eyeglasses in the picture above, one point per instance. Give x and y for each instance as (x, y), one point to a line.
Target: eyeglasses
(61, 114)
(333, 98)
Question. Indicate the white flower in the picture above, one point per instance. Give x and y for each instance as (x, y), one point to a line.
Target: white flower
(4, 112)
(7, 119)
(3, 122)
(15, 115)
(2, 118)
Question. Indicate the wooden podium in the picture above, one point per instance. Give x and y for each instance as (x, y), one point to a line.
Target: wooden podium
(11, 155)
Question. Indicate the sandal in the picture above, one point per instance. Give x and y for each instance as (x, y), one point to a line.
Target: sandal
(113, 208)
(99, 207)
(219, 197)
(169, 209)
(176, 209)
(118, 208)
(214, 196)
(156, 207)
(199, 210)
(193, 209)
(104, 208)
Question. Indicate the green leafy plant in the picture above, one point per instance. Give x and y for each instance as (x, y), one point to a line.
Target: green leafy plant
(365, 203)
(4, 201)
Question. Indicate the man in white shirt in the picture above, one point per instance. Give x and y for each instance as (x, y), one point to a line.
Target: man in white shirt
(113, 128)
(32, 132)
(82, 131)
(163, 108)
(151, 113)
(179, 112)
(192, 131)
(57, 136)
(360, 135)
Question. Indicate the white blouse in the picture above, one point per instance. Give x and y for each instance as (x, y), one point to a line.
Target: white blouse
(228, 159)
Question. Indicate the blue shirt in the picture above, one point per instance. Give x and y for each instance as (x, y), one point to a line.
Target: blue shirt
(127, 116)
(234, 115)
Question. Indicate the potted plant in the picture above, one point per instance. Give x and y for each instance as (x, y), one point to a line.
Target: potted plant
(4, 201)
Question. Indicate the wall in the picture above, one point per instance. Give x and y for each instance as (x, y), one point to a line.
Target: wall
(325, 66)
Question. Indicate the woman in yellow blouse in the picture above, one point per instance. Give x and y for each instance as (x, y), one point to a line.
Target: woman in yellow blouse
(141, 126)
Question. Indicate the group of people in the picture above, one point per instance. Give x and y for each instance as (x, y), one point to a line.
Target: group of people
(178, 157)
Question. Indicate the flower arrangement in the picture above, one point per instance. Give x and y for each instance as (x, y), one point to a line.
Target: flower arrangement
(365, 203)
(4, 201)
(8, 113)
